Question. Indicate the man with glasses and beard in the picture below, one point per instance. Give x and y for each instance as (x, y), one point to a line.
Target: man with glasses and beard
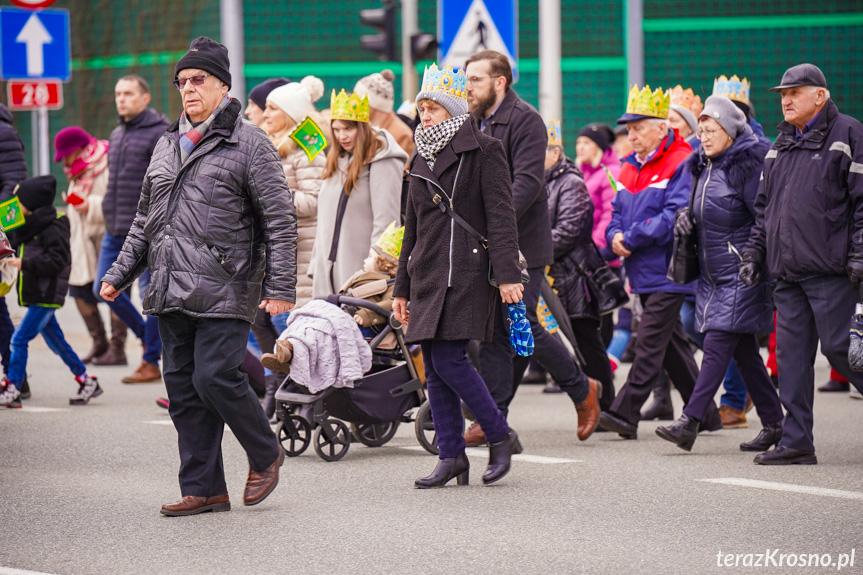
(216, 222)
(502, 114)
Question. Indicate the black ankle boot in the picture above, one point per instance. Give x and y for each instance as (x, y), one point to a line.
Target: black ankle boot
(272, 382)
(499, 457)
(661, 407)
(682, 432)
(767, 438)
(447, 468)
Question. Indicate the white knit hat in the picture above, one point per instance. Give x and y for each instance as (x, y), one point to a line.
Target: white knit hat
(379, 88)
(297, 98)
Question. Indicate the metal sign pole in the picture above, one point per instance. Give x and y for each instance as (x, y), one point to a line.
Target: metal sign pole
(410, 27)
(44, 155)
(34, 137)
(231, 12)
(550, 89)
(634, 43)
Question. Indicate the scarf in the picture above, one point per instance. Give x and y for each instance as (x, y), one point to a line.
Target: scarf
(430, 141)
(192, 136)
(89, 164)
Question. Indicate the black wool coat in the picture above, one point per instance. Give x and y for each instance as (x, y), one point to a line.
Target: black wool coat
(42, 244)
(443, 270)
(522, 132)
(13, 164)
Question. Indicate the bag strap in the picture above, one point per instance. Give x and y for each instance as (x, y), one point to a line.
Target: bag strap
(337, 232)
(442, 205)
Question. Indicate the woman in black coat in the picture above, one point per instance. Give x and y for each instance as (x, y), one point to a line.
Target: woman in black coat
(725, 174)
(443, 270)
(570, 210)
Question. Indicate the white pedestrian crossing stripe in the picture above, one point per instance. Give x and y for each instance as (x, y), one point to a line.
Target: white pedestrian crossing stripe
(480, 452)
(28, 409)
(788, 487)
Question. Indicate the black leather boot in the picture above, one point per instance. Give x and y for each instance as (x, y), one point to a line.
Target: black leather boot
(269, 402)
(500, 456)
(767, 438)
(447, 468)
(682, 432)
(661, 407)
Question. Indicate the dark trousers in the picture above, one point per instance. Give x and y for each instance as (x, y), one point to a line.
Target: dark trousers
(818, 308)
(7, 328)
(264, 331)
(588, 335)
(661, 344)
(502, 370)
(206, 389)
(719, 348)
(451, 379)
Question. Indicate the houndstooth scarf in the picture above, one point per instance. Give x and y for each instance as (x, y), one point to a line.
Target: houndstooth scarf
(430, 141)
(191, 136)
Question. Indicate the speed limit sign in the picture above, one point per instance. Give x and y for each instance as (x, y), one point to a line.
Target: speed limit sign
(34, 94)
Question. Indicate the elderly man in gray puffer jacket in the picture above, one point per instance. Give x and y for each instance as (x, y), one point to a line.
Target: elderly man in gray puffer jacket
(216, 222)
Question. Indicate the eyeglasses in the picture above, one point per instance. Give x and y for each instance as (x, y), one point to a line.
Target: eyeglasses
(180, 83)
(474, 80)
(706, 134)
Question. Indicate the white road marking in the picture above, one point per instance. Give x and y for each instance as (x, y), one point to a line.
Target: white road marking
(159, 422)
(479, 452)
(790, 487)
(28, 409)
(11, 571)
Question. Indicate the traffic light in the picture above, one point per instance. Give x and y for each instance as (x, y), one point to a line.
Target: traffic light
(384, 42)
(423, 47)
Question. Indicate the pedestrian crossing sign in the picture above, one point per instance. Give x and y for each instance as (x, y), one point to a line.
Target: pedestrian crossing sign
(466, 27)
(11, 215)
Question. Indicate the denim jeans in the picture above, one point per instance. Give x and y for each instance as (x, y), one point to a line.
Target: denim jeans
(147, 330)
(40, 320)
(735, 389)
(6, 331)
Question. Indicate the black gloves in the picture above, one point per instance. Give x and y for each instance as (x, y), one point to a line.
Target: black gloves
(855, 270)
(682, 223)
(750, 272)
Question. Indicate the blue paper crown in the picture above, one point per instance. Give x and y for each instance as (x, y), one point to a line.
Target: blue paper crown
(733, 89)
(446, 81)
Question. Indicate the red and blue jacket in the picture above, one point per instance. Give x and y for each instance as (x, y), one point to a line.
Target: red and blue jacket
(648, 197)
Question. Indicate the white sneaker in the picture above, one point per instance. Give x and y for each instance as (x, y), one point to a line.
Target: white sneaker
(854, 394)
(86, 391)
(10, 395)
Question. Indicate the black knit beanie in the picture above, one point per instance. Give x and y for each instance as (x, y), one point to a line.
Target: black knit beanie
(37, 192)
(208, 55)
(601, 134)
(259, 93)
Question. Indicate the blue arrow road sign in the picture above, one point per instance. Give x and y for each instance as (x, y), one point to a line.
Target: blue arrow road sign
(466, 27)
(35, 44)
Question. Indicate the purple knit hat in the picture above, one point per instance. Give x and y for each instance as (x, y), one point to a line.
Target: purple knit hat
(69, 140)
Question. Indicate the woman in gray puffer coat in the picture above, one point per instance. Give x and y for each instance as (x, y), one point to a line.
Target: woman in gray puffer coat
(570, 210)
(725, 174)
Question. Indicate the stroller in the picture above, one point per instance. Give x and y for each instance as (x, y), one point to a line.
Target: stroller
(389, 394)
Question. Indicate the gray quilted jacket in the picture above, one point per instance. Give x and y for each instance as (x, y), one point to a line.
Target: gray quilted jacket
(213, 231)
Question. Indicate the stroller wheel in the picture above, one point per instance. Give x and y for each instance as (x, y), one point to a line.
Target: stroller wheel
(332, 440)
(425, 429)
(295, 435)
(374, 434)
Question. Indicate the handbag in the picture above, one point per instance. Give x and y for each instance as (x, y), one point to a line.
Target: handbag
(683, 267)
(605, 287)
(522, 261)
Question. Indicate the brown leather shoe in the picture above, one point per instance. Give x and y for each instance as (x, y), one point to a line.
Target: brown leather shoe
(474, 436)
(192, 505)
(261, 483)
(588, 410)
(280, 360)
(146, 373)
(732, 418)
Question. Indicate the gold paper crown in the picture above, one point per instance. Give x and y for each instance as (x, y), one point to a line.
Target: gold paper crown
(686, 99)
(445, 81)
(349, 107)
(733, 89)
(646, 103)
(390, 242)
(554, 136)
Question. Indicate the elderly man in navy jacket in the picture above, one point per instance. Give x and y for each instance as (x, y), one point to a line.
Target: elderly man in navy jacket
(808, 235)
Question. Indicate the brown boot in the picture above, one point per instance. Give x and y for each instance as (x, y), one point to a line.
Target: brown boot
(280, 360)
(588, 410)
(732, 418)
(116, 354)
(474, 436)
(95, 327)
(146, 373)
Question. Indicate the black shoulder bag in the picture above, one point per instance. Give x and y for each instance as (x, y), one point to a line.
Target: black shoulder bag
(440, 203)
(683, 267)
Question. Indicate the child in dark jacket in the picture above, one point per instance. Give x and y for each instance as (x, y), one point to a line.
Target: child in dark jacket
(44, 260)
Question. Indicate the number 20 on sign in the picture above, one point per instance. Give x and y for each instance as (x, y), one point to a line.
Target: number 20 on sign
(34, 94)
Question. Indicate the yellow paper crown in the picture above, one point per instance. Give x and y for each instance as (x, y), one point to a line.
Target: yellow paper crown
(646, 103)
(445, 81)
(733, 89)
(686, 99)
(349, 107)
(390, 242)
(554, 136)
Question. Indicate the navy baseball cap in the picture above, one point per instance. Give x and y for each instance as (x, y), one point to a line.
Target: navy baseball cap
(802, 75)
